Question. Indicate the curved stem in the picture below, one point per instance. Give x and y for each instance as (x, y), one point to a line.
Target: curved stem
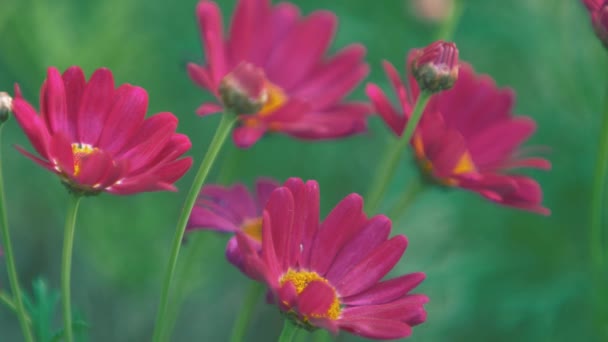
(289, 331)
(66, 265)
(388, 167)
(6, 299)
(218, 140)
(412, 192)
(239, 328)
(10, 261)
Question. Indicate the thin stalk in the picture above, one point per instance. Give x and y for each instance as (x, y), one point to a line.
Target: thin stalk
(10, 261)
(599, 184)
(289, 331)
(408, 197)
(6, 299)
(388, 167)
(66, 265)
(218, 140)
(239, 328)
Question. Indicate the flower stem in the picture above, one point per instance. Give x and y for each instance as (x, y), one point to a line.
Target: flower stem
(6, 299)
(10, 261)
(388, 167)
(254, 293)
(412, 192)
(289, 331)
(226, 123)
(66, 265)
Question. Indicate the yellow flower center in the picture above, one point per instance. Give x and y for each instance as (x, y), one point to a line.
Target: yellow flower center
(253, 228)
(301, 279)
(275, 98)
(80, 151)
(464, 165)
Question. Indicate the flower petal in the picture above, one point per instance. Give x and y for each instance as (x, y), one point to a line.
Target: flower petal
(95, 106)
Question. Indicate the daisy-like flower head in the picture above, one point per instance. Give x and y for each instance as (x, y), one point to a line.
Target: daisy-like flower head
(303, 90)
(232, 209)
(468, 137)
(96, 138)
(328, 275)
(598, 10)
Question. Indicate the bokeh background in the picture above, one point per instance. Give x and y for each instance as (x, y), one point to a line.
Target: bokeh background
(493, 273)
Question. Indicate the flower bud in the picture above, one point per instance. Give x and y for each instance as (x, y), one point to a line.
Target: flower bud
(435, 67)
(6, 106)
(244, 89)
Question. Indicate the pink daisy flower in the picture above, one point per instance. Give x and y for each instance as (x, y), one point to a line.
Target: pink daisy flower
(303, 90)
(232, 209)
(95, 137)
(328, 275)
(468, 137)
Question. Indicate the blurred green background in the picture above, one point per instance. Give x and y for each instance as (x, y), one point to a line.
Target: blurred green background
(493, 273)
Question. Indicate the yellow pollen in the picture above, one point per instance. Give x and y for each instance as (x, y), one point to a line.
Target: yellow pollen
(253, 228)
(79, 151)
(464, 165)
(276, 98)
(301, 279)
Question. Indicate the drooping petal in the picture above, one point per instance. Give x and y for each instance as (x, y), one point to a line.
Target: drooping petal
(33, 126)
(382, 329)
(386, 291)
(211, 31)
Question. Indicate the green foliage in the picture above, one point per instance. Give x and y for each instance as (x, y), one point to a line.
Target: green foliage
(493, 274)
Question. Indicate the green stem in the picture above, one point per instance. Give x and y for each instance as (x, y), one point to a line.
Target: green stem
(388, 167)
(10, 261)
(599, 183)
(254, 293)
(218, 140)
(66, 265)
(406, 200)
(8, 302)
(289, 331)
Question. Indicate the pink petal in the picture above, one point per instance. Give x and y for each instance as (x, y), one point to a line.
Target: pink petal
(202, 77)
(386, 291)
(268, 254)
(263, 188)
(245, 137)
(75, 83)
(55, 106)
(209, 108)
(404, 98)
(371, 269)
(211, 28)
(249, 16)
(385, 109)
(95, 106)
(32, 125)
(283, 17)
(173, 171)
(93, 168)
(61, 153)
(316, 298)
(152, 136)
(280, 209)
(376, 328)
(375, 232)
(203, 218)
(301, 50)
(342, 223)
(45, 164)
(405, 309)
(125, 116)
(311, 222)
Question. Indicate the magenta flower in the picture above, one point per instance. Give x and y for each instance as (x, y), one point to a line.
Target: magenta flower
(468, 137)
(95, 137)
(327, 275)
(232, 210)
(303, 90)
(598, 10)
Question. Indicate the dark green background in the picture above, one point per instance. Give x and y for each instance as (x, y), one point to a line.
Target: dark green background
(493, 273)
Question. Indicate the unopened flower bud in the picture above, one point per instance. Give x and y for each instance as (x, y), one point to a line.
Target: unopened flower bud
(434, 11)
(244, 89)
(6, 106)
(435, 67)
